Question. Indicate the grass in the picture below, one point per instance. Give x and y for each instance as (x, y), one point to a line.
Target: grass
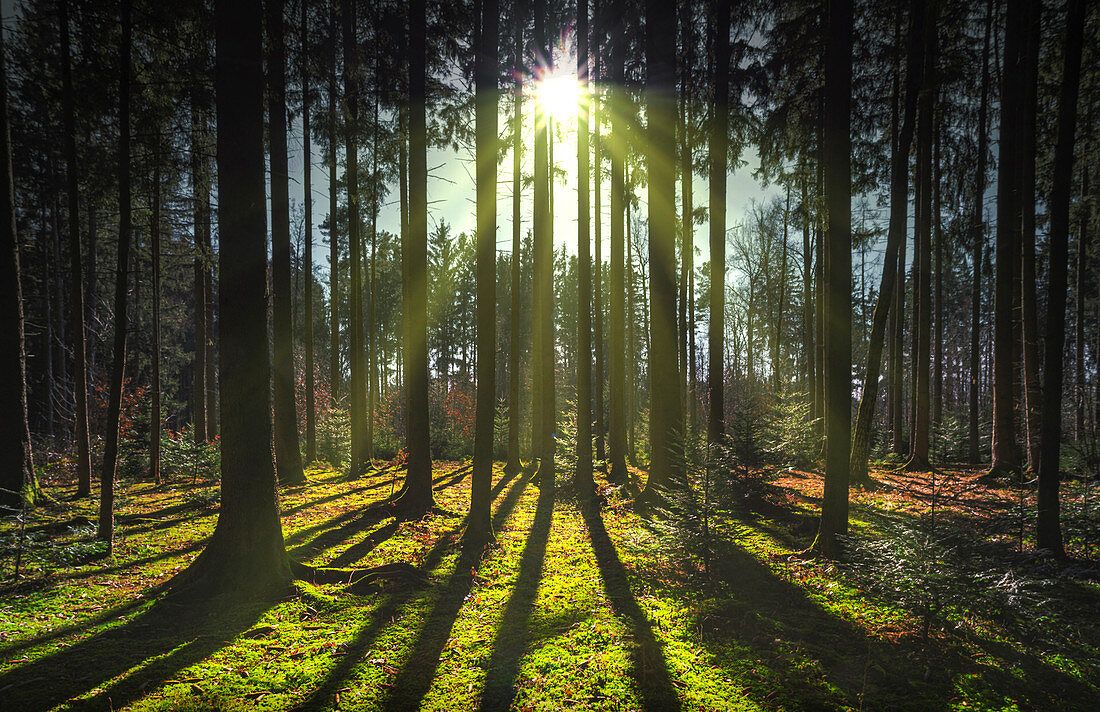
(570, 608)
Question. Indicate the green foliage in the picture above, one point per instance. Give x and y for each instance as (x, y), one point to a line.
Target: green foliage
(787, 432)
(181, 456)
(334, 434)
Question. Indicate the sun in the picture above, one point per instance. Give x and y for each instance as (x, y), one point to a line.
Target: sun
(560, 96)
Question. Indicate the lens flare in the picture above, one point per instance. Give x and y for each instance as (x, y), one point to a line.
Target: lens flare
(559, 95)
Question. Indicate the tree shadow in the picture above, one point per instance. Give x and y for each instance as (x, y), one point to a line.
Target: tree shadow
(649, 666)
(388, 610)
(510, 643)
(358, 550)
(162, 640)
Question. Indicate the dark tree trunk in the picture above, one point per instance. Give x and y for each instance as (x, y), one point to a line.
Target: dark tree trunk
(1048, 525)
(584, 270)
(544, 402)
(665, 403)
(479, 526)
(687, 208)
(1079, 317)
(76, 278)
(1028, 298)
(836, 154)
(357, 388)
(415, 498)
(246, 552)
(201, 223)
(807, 290)
(106, 529)
(335, 386)
(617, 315)
(155, 417)
(977, 222)
(899, 205)
(18, 485)
(513, 465)
(597, 305)
(719, 147)
(307, 261)
(372, 341)
(1005, 453)
(288, 456)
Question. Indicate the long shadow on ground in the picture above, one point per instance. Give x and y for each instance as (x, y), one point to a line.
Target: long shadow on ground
(167, 637)
(649, 666)
(511, 639)
(395, 602)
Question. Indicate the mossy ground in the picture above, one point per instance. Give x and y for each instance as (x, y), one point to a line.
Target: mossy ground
(569, 609)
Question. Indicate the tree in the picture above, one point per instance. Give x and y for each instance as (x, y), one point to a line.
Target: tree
(18, 484)
(200, 226)
(836, 154)
(355, 288)
(288, 457)
(1026, 155)
(719, 148)
(1048, 524)
(597, 171)
(544, 400)
(106, 530)
(155, 417)
(584, 270)
(333, 234)
(666, 405)
(479, 526)
(246, 553)
(415, 498)
(978, 243)
(1006, 458)
(513, 465)
(307, 262)
(76, 279)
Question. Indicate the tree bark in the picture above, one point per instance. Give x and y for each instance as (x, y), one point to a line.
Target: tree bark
(584, 270)
(288, 457)
(307, 261)
(719, 148)
(106, 530)
(201, 220)
(334, 385)
(357, 394)
(544, 400)
(597, 171)
(1048, 525)
(514, 465)
(155, 417)
(1028, 298)
(977, 222)
(76, 278)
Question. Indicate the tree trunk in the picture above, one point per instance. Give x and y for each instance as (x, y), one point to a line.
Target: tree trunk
(665, 402)
(597, 143)
(415, 497)
(155, 417)
(201, 326)
(18, 485)
(544, 278)
(584, 270)
(1005, 455)
(1028, 298)
(1079, 319)
(687, 207)
(106, 529)
(617, 147)
(307, 261)
(977, 222)
(288, 457)
(334, 385)
(1048, 525)
(76, 278)
(807, 290)
(899, 208)
(246, 552)
(838, 346)
(372, 339)
(513, 465)
(719, 148)
(479, 526)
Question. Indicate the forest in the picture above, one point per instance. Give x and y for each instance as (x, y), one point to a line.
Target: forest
(549, 354)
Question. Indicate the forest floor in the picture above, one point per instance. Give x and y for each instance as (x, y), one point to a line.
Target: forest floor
(936, 608)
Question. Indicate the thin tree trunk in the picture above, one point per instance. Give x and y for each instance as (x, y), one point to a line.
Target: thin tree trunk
(288, 456)
(1079, 320)
(1026, 196)
(617, 317)
(544, 403)
(201, 326)
(155, 417)
(307, 261)
(76, 279)
(584, 270)
(719, 144)
(1048, 525)
(335, 385)
(513, 465)
(18, 485)
(355, 288)
(106, 529)
(978, 239)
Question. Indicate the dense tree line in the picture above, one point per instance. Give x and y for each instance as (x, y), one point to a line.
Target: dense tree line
(902, 289)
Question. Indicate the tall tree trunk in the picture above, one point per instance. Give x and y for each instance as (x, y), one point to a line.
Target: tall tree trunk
(597, 172)
(199, 204)
(288, 456)
(211, 379)
(18, 484)
(334, 380)
(665, 402)
(977, 223)
(76, 279)
(899, 208)
(719, 148)
(1028, 298)
(155, 417)
(687, 207)
(777, 341)
(809, 348)
(307, 261)
(838, 345)
(1079, 318)
(584, 270)
(922, 252)
(544, 402)
(106, 529)
(1005, 454)
(513, 465)
(479, 526)
(631, 338)
(937, 239)
(617, 317)
(357, 394)
(1048, 525)
(415, 497)
(372, 340)
(246, 552)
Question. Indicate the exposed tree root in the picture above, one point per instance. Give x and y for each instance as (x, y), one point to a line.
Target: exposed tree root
(360, 581)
